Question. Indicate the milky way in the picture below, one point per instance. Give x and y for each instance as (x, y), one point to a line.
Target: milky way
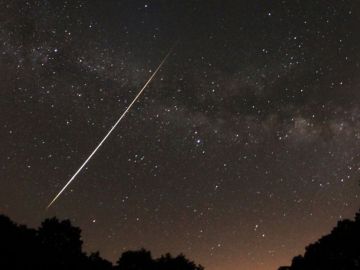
(243, 151)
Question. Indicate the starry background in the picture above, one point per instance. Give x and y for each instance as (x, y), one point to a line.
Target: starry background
(243, 149)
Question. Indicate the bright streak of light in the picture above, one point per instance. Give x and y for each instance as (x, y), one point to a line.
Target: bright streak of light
(111, 130)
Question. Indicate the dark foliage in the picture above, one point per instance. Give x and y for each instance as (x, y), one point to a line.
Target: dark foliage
(339, 250)
(57, 245)
(135, 260)
(178, 263)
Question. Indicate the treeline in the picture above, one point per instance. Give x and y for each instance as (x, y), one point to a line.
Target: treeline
(339, 250)
(57, 245)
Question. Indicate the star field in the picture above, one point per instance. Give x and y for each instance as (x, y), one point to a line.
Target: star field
(242, 150)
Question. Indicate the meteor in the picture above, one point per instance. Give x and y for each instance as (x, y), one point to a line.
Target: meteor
(112, 129)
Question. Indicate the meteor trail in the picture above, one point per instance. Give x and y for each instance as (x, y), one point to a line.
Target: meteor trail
(112, 129)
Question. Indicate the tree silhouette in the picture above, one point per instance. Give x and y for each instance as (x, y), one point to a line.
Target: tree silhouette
(142, 259)
(18, 245)
(339, 250)
(135, 260)
(95, 262)
(61, 244)
(177, 263)
(57, 245)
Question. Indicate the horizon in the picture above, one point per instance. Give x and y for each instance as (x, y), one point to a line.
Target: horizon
(326, 247)
(239, 151)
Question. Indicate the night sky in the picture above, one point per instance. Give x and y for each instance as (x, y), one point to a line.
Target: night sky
(242, 150)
